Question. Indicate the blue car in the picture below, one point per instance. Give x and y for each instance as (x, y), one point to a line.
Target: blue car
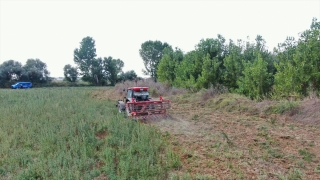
(22, 85)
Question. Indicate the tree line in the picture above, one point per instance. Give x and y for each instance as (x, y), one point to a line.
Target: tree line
(90, 68)
(96, 70)
(249, 68)
(244, 67)
(34, 71)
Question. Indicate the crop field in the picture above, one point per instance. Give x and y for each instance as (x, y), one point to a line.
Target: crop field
(77, 133)
(65, 133)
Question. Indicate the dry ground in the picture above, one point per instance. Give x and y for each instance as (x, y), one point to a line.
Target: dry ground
(231, 137)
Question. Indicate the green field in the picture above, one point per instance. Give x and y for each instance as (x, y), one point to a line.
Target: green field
(64, 133)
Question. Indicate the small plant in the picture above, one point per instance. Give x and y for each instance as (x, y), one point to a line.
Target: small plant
(263, 131)
(195, 117)
(225, 136)
(295, 174)
(306, 155)
(173, 160)
(275, 153)
(311, 144)
(317, 169)
(2, 171)
(301, 164)
(203, 177)
(291, 126)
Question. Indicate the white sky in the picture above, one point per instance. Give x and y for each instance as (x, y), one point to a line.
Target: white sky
(51, 30)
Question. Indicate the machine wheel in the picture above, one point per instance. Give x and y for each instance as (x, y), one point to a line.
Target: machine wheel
(121, 106)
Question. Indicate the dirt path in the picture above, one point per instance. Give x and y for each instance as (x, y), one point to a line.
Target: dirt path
(221, 145)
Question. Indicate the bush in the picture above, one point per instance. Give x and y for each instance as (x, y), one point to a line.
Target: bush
(282, 107)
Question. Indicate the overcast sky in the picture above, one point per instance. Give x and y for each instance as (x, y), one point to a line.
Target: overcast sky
(51, 30)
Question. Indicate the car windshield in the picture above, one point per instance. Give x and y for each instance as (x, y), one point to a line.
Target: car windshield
(141, 96)
(141, 93)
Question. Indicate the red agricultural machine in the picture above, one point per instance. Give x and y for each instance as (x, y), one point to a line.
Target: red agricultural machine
(138, 105)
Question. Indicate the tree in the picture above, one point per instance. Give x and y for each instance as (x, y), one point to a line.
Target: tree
(112, 68)
(210, 72)
(151, 54)
(308, 55)
(209, 62)
(11, 70)
(217, 51)
(84, 58)
(36, 71)
(70, 73)
(286, 80)
(170, 61)
(187, 73)
(256, 82)
(98, 71)
(298, 69)
(2, 80)
(233, 65)
(127, 76)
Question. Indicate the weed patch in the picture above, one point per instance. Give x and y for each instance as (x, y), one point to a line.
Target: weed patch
(62, 133)
(282, 107)
(306, 155)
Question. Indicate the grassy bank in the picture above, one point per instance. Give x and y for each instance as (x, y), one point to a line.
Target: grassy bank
(64, 133)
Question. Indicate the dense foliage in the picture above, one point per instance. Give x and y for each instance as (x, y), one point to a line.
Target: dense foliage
(70, 73)
(98, 71)
(249, 68)
(151, 54)
(245, 67)
(34, 71)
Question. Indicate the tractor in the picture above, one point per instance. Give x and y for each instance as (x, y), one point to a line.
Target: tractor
(138, 105)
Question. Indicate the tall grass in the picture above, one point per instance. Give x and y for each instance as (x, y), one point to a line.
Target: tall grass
(51, 133)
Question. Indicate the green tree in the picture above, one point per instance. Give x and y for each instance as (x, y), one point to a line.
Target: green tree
(112, 68)
(298, 69)
(84, 57)
(210, 72)
(213, 50)
(11, 70)
(252, 50)
(233, 65)
(170, 61)
(36, 71)
(187, 73)
(127, 76)
(308, 55)
(151, 54)
(70, 73)
(256, 81)
(286, 80)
